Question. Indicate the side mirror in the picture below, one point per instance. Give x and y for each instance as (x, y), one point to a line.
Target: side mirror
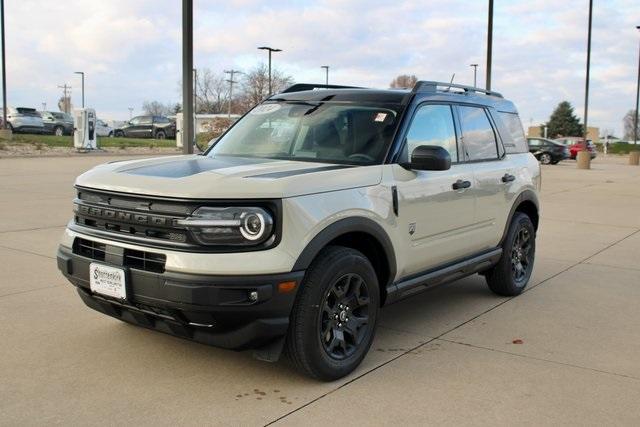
(430, 158)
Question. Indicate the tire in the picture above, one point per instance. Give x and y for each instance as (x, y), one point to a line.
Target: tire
(512, 273)
(119, 134)
(324, 341)
(58, 131)
(545, 158)
(110, 134)
(161, 135)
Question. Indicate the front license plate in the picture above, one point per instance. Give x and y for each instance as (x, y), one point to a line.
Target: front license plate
(108, 281)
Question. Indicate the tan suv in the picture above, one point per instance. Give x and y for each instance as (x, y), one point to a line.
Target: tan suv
(317, 208)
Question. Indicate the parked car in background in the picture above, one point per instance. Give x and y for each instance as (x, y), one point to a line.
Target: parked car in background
(57, 123)
(24, 120)
(576, 144)
(158, 127)
(548, 151)
(103, 129)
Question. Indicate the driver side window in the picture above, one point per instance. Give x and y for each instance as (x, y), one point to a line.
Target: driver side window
(432, 125)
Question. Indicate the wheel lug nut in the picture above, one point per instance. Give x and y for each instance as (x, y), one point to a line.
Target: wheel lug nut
(340, 325)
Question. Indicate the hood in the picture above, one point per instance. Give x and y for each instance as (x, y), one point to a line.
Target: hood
(201, 177)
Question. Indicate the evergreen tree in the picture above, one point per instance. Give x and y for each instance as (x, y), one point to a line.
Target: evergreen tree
(563, 122)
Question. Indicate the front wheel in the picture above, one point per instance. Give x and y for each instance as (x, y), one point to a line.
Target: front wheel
(334, 318)
(510, 276)
(545, 158)
(58, 131)
(161, 135)
(119, 134)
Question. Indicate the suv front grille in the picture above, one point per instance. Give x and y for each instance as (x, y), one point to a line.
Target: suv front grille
(139, 260)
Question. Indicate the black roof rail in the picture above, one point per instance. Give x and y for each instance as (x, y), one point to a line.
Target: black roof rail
(299, 87)
(428, 86)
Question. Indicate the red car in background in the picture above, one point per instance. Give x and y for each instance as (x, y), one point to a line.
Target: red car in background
(576, 144)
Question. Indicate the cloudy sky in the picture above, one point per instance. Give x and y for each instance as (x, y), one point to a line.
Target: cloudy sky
(130, 49)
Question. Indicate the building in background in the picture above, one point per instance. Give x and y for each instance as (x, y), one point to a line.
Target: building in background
(593, 133)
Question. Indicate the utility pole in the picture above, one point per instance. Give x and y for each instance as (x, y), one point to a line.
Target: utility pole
(4, 71)
(270, 49)
(326, 69)
(586, 87)
(475, 73)
(635, 121)
(66, 93)
(187, 77)
(489, 44)
(231, 82)
(44, 106)
(130, 112)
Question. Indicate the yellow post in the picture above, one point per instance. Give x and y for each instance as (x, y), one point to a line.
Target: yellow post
(584, 159)
(634, 158)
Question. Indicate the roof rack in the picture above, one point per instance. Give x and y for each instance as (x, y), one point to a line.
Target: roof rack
(428, 86)
(299, 87)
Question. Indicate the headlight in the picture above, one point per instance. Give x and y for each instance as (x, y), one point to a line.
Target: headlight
(241, 226)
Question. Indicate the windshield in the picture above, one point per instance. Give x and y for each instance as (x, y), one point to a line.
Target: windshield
(313, 131)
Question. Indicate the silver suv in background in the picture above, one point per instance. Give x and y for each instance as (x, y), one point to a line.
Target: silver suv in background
(57, 123)
(25, 120)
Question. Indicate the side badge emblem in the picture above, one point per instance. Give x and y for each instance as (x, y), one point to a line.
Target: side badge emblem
(412, 228)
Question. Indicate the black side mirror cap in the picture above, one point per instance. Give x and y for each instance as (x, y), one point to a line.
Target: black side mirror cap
(430, 158)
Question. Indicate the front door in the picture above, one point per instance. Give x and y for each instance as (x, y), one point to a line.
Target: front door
(435, 208)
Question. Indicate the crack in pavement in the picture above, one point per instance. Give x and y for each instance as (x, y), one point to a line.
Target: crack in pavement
(26, 252)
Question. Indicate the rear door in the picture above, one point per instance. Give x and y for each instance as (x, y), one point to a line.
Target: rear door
(433, 217)
(494, 175)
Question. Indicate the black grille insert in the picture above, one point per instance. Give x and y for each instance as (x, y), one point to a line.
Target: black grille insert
(90, 249)
(139, 260)
(147, 261)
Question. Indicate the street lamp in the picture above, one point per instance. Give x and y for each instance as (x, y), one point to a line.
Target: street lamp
(270, 49)
(4, 71)
(326, 69)
(475, 73)
(489, 44)
(635, 121)
(82, 74)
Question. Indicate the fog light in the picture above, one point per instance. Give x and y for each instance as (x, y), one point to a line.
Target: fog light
(253, 296)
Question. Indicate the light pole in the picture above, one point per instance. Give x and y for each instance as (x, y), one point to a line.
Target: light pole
(231, 82)
(82, 74)
(326, 69)
(188, 133)
(4, 71)
(44, 106)
(130, 112)
(586, 84)
(635, 121)
(489, 44)
(475, 73)
(270, 49)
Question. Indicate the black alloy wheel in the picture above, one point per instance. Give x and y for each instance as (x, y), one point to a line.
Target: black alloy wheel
(520, 255)
(345, 316)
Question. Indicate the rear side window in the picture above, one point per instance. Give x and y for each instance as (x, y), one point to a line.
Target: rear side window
(477, 134)
(516, 143)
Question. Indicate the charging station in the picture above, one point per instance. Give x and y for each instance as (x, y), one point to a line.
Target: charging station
(84, 124)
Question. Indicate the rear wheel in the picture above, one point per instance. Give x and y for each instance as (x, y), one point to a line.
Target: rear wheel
(510, 276)
(334, 318)
(119, 134)
(545, 158)
(58, 131)
(160, 134)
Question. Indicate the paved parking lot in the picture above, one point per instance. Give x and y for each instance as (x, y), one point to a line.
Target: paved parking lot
(446, 356)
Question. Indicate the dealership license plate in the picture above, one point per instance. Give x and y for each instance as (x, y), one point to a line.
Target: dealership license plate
(108, 281)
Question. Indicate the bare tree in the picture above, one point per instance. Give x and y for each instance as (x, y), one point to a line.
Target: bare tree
(404, 81)
(211, 91)
(628, 121)
(156, 108)
(255, 85)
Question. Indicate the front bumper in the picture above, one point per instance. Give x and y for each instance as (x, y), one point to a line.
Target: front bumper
(209, 309)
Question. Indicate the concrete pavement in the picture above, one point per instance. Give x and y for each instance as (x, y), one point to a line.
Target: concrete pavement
(564, 352)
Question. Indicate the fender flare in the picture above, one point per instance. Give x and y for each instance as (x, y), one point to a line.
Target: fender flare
(526, 195)
(344, 226)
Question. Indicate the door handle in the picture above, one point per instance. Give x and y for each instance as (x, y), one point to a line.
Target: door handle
(460, 184)
(508, 178)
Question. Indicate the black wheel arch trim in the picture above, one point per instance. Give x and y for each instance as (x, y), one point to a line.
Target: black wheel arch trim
(526, 195)
(340, 228)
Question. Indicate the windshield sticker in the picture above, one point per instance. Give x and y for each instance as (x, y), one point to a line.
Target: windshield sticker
(380, 117)
(265, 109)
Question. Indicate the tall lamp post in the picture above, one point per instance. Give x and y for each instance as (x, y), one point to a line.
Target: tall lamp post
(326, 78)
(82, 74)
(4, 71)
(635, 121)
(489, 44)
(270, 50)
(475, 73)
(188, 133)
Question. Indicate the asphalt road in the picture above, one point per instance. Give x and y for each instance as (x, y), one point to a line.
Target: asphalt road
(567, 351)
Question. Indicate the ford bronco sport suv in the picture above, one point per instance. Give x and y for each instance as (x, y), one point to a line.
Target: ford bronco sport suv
(310, 213)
